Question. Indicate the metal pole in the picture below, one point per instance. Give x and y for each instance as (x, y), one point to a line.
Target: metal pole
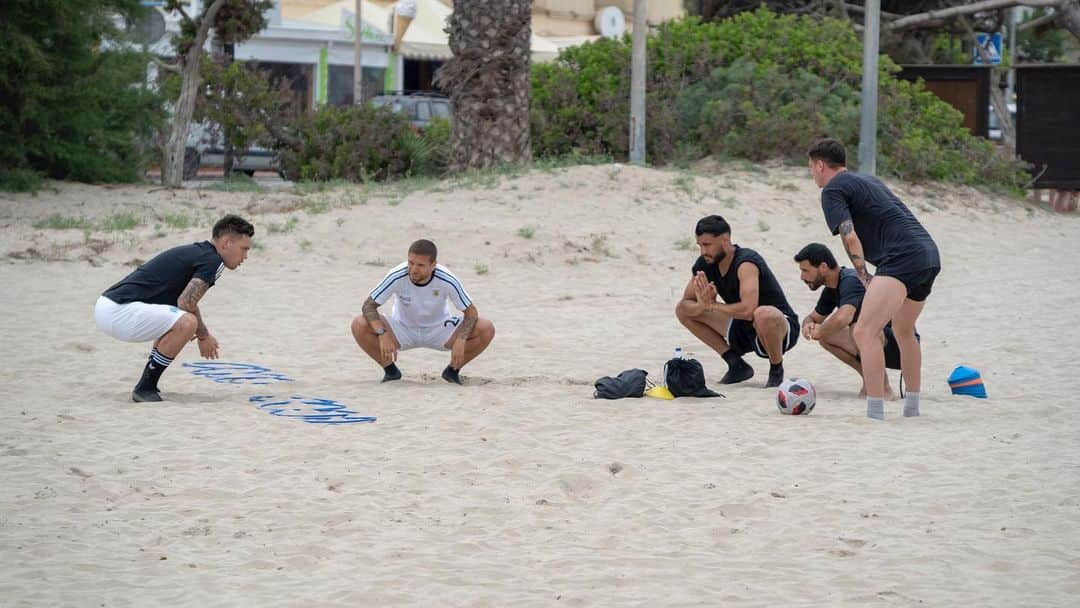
(868, 122)
(637, 85)
(1009, 96)
(358, 66)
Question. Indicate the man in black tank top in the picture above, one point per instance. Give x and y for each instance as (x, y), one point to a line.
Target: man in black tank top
(877, 228)
(755, 315)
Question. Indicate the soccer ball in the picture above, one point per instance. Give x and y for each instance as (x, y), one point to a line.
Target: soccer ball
(796, 396)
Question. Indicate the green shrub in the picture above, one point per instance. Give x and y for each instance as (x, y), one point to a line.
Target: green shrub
(71, 105)
(758, 111)
(20, 180)
(755, 86)
(355, 143)
(429, 149)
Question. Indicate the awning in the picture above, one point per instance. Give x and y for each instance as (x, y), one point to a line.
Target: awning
(340, 15)
(424, 36)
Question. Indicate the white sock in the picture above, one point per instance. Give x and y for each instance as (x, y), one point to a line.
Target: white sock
(911, 404)
(875, 408)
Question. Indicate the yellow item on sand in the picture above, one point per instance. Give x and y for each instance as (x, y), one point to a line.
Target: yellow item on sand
(659, 392)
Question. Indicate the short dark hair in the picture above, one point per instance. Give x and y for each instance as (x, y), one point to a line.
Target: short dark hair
(816, 253)
(829, 150)
(233, 224)
(712, 224)
(424, 247)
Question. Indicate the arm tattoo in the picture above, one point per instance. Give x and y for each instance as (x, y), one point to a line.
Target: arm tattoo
(189, 298)
(847, 229)
(371, 310)
(467, 326)
(189, 301)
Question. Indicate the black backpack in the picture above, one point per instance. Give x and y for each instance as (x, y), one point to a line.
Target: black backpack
(686, 378)
(630, 383)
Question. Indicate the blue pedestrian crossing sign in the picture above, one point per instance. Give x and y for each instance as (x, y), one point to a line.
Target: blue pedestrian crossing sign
(991, 43)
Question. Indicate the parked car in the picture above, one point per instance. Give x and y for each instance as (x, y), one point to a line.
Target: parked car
(205, 149)
(420, 107)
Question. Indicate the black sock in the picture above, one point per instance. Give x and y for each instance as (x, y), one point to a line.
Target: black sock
(776, 374)
(155, 366)
(451, 375)
(733, 359)
(391, 372)
(738, 370)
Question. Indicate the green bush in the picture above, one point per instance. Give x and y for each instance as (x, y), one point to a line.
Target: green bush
(72, 105)
(757, 111)
(755, 86)
(20, 180)
(429, 149)
(356, 143)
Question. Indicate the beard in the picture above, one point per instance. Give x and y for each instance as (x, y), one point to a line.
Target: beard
(815, 284)
(719, 257)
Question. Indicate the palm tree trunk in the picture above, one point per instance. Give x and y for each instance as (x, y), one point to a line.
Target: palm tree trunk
(488, 83)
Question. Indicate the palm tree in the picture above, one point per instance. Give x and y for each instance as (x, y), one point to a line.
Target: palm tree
(488, 82)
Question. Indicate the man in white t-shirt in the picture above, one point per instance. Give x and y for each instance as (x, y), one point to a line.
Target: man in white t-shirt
(421, 317)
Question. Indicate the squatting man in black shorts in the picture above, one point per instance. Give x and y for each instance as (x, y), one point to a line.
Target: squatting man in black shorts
(837, 310)
(755, 316)
(159, 301)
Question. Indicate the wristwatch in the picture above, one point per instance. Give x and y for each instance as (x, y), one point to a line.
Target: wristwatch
(380, 331)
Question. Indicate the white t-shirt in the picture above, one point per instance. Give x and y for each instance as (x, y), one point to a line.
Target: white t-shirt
(421, 305)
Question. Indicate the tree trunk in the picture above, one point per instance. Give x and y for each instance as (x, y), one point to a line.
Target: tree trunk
(488, 82)
(172, 162)
(997, 99)
(1070, 16)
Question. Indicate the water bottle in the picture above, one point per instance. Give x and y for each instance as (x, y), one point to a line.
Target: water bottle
(678, 352)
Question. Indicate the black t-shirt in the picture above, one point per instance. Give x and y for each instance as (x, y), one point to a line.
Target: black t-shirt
(163, 279)
(727, 286)
(891, 237)
(849, 290)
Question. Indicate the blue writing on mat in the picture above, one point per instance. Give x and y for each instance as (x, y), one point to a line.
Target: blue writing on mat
(236, 373)
(309, 409)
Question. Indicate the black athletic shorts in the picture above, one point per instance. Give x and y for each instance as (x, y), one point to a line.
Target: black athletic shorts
(742, 337)
(919, 284)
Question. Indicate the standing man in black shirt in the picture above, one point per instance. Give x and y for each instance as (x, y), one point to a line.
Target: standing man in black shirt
(837, 310)
(755, 315)
(159, 301)
(876, 227)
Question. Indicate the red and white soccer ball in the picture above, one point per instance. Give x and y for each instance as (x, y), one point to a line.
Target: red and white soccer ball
(796, 396)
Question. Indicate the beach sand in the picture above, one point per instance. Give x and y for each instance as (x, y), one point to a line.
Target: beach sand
(519, 489)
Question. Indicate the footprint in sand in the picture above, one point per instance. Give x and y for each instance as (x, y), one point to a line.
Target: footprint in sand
(735, 510)
(577, 487)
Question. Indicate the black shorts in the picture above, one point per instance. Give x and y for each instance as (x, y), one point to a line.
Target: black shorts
(918, 283)
(892, 349)
(742, 337)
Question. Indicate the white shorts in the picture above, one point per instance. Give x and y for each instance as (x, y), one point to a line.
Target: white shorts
(135, 321)
(435, 336)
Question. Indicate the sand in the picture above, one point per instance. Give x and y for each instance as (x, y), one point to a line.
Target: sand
(519, 489)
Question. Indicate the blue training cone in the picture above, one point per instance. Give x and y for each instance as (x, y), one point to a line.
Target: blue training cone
(966, 380)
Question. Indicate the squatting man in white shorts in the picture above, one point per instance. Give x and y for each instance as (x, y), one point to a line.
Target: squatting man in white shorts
(421, 317)
(159, 301)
